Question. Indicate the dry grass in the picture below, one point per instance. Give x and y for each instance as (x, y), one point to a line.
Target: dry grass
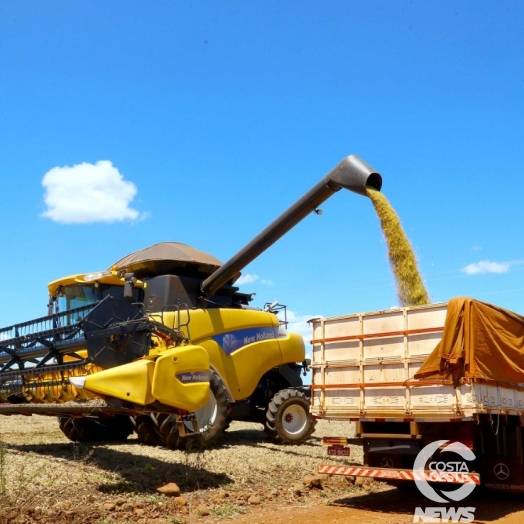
(410, 288)
(40, 470)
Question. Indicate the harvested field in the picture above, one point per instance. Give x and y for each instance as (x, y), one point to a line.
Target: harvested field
(45, 478)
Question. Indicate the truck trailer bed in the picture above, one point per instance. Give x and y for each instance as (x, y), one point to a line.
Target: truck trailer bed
(364, 365)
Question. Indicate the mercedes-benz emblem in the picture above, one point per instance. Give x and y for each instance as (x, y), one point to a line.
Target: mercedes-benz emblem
(501, 471)
(386, 462)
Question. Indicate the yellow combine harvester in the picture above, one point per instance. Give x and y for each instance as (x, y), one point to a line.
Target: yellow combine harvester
(164, 344)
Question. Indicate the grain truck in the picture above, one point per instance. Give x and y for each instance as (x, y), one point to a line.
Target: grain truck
(441, 377)
(164, 344)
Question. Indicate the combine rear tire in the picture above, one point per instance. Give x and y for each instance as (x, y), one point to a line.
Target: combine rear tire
(288, 418)
(96, 429)
(272, 433)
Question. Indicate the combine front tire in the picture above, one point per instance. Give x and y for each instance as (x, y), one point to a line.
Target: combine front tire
(168, 428)
(288, 419)
(147, 430)
(212, 418)
(96, 429)
(69, 429)
(161, 428)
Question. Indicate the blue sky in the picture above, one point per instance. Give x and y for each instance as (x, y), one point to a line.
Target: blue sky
(127, 123)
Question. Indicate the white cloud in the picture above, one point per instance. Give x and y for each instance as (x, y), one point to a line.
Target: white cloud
(299, 324)
(249, 279)
(246, 279)
(486, 266)
(86, 193)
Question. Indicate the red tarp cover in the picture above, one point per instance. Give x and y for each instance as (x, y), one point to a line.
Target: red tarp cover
(480, 341)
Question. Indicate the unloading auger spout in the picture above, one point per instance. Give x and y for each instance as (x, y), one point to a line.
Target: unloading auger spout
(351, 173)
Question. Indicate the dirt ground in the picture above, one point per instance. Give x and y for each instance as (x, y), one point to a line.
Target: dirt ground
(388, 507)
(45, 478)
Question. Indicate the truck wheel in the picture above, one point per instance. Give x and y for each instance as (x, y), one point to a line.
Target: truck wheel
(96, 429)
(288, 413)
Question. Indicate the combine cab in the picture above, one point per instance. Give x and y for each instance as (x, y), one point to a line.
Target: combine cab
(164, 344)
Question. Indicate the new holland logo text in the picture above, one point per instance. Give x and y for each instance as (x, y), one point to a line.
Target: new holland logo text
(259, 336)
(197, 376)
(234, 340)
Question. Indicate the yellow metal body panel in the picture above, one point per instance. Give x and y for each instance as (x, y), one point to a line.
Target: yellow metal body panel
(131, 382)
(242, 344)
(181, 377)
(113, 280)
(292, 347)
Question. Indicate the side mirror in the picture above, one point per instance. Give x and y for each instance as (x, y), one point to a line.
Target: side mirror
(129, 286)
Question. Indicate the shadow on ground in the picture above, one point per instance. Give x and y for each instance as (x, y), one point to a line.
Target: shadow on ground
(136, 472)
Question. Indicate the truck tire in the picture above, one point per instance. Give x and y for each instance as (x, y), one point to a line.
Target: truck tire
(289, 417)
(96, 429)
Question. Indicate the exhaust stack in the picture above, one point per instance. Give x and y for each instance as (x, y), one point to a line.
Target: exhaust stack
(352, 173)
